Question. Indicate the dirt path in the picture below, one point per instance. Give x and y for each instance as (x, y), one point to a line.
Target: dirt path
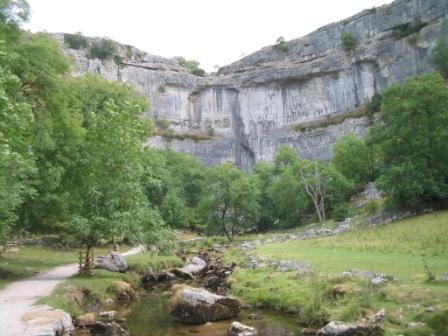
(17, 297)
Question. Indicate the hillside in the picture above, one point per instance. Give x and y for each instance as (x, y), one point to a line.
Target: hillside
(411, 251)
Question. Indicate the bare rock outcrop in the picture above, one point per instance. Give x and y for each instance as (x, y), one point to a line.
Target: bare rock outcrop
(305, 97)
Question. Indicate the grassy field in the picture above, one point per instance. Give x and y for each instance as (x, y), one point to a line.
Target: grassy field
(411, 250)
(28, 261)
(401, 249)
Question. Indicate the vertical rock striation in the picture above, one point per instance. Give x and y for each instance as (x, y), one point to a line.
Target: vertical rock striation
(259, 102)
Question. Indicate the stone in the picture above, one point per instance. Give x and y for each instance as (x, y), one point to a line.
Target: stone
(430, 309)
(443, 277)
(108, 329)
(239, 329)
(288, 265)
(375, 278)
(125, 290)
(149, 276)
(109, 315)
(44, 320)
(415, 325)
(338, 328)
(109, 301)
(193, 267)
(308, 332)
(165, 276)
(379, 316)
(255, 316)
(85, 320)
(198, 306)
(113, 262)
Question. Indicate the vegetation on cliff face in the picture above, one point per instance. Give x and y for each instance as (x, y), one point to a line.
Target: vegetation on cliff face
(192, 65)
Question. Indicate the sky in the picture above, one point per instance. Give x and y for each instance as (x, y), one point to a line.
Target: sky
(214, 32)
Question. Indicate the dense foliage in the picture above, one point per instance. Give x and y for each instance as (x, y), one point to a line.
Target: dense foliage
(412, 135)
(73, 159)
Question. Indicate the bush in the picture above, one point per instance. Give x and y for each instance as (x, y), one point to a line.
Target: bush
(348, 42)
(76, 41)
(103, 49)
(191, 65)
(406, 29)
(281, 45)
(118, 59)
(375, 104)
(340, 212)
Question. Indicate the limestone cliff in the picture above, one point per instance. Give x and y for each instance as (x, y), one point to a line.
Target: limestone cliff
(251, 107)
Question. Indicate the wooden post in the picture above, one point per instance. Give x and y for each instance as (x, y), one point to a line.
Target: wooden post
(86, 260)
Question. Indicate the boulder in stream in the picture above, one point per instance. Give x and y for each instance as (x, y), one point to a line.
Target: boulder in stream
(239, 329)
(198, 306)
(47, 321)
(113, 262)
(194, 266)
(338, 328)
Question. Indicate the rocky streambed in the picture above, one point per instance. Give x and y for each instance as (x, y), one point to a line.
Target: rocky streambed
(189, 300)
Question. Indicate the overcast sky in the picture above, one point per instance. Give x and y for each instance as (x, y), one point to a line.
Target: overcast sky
(214, 32)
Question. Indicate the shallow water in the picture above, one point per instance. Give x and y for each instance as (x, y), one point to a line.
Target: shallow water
(149, 316)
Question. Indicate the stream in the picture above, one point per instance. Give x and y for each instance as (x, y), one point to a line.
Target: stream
(149, 316)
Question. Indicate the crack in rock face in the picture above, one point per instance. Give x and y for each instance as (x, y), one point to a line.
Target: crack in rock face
(268, 99)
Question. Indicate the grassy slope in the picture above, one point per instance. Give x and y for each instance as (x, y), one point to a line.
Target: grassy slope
(397, 249)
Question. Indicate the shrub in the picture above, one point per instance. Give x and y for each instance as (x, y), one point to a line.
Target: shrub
(340, 212)
(406, 29)
(118, 59)
(103, 49)
(375, 104)
(129, 52)
(348, 42)
(210, 131)
(191, 65)
(281, 45)
(75, 41)
(371, 207)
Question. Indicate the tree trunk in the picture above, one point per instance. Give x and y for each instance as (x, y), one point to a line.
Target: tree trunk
(88, 267)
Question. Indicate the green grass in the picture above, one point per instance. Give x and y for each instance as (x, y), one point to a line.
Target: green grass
(142, 261)
(31, 260)
(80, 291)
(396, 249)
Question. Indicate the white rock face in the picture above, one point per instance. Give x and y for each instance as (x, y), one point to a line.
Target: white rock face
(253, 104)
(44, 320)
